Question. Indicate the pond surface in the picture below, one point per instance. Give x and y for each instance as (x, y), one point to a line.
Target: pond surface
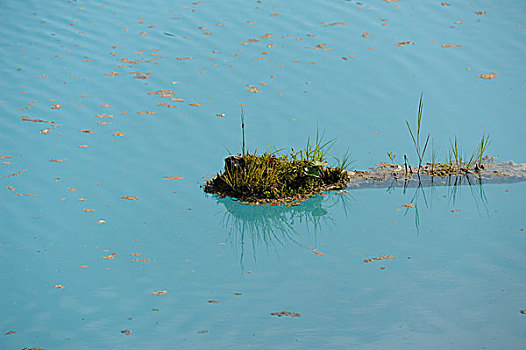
(113, 113)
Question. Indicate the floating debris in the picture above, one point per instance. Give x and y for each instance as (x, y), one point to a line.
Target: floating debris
(285, 313)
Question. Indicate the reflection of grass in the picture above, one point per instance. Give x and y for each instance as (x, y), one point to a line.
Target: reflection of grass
(275, 226)
(454, 185)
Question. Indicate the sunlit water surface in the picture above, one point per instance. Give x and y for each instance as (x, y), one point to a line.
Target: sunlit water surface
(79, 263)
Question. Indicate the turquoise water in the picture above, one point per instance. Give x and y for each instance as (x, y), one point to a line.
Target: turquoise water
(457, 280)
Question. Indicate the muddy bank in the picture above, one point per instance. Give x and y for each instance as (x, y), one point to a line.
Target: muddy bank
(394, 175)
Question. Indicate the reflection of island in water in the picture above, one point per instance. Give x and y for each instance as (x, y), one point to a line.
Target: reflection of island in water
(274, 226)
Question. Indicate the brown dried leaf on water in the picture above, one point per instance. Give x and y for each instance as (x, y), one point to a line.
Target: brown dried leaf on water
(480, 12)
(88, 210)
(166, 104)
(58, 286)
(523, 312)
(177, 99)
(127, 331)
(139, 75)
(220, 115)
(141, 260)
(204, 331)
(410, 205)
(131, 198)
(83, 146)
(214, 301)
(118, 133)
(10, 188)
(58, 160)
(335, 24)
(445, 3)
(56, 106)
(455, 211)
(172, 178)
(266, 36)
(365, 35)
(103, 123)
(383, 257)
(403, 43)
(17, 173)
(317, 252)
(161, 292)
(110, 256)
(27, 119)
(451, 45)
(491, 75)
(112, 74)
(322, 46)
(146, 112)
(86, 131)
(281, 313)
(274, 15)
(195, 104)
(252, 88)
(185, 58)
(10, 332)
(163, 93)
(45, 131)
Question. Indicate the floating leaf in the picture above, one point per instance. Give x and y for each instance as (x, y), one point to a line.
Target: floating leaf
(146, 112)
(286, 313)
(88, 210)
(202, 332)
(58, 286)
(86, 131)
(322, 46)
(383, 257)
(410, 205)
(110, 256)
(492, 75)
(318, 253)
(403, 43)
(214, 301)
(103, 116)
(161, 292)
(131, 198)
(126, 331)
(172, 178)
(27, 119)
(480, 12)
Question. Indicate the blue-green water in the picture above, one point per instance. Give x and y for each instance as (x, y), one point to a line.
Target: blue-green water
(457, 280)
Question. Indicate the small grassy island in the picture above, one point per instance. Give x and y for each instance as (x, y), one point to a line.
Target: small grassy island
(276, 178)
